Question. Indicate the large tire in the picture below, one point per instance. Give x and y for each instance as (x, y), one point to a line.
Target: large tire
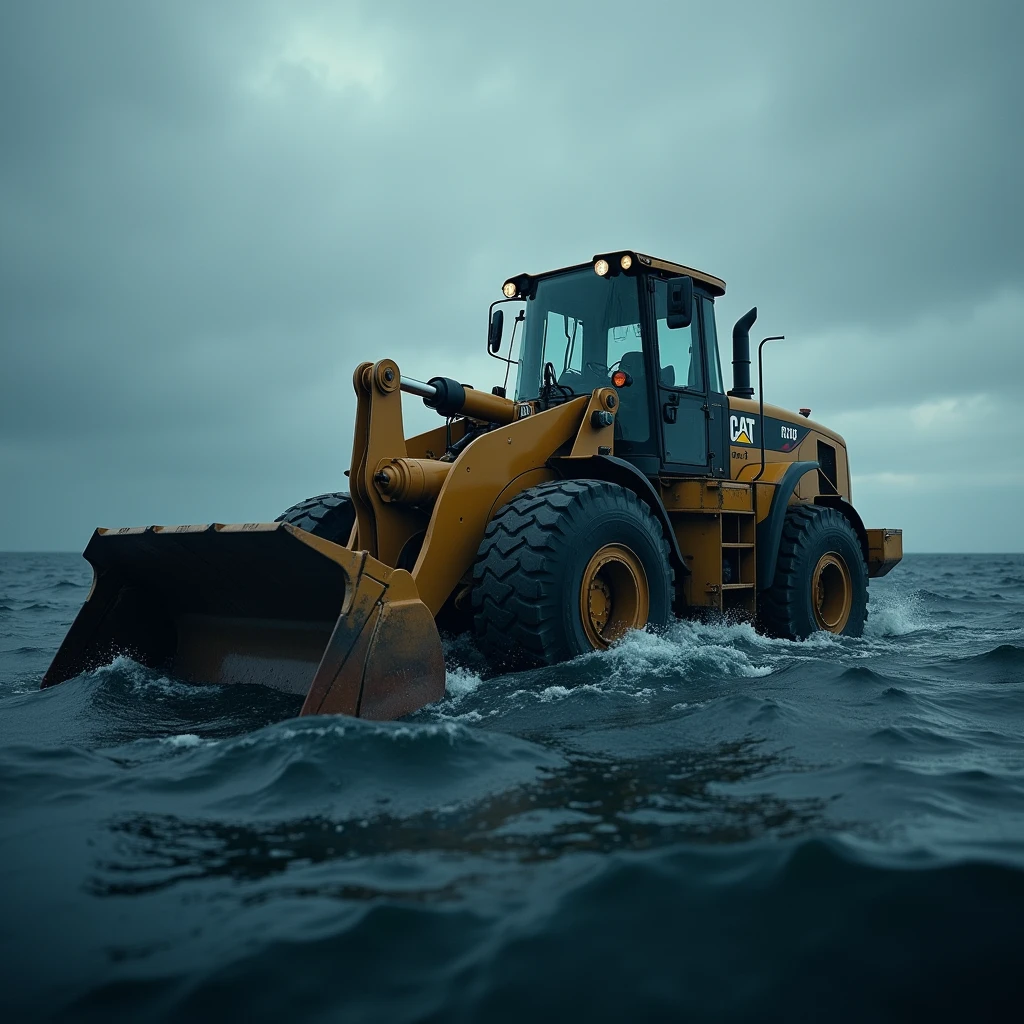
(821, 580)
(327, 515)
(565, 568)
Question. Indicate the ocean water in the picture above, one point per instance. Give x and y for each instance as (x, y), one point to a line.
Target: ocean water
(706, 825)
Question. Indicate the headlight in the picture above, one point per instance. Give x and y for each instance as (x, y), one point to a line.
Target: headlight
(626, 262)
(601, 268)
(509, 289)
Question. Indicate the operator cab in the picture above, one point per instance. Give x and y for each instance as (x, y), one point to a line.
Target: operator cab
(585, 323)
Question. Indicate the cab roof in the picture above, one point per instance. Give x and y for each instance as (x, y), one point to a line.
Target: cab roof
(639, 261)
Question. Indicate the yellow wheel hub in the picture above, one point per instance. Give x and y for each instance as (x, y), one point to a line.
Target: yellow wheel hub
(614, 596)
(831, 593)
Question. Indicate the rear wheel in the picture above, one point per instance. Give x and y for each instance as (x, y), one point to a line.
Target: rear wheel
(329, 516)
(565, 568)
(821, 580)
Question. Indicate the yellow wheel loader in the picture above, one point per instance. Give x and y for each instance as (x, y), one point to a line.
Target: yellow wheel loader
(620, 486)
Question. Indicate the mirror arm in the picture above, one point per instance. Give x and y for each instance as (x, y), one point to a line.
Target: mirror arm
(490, 313)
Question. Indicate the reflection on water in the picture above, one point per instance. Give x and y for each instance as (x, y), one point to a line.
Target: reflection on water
(589, 805)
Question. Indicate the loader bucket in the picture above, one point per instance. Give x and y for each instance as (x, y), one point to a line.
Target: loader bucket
(260, 603)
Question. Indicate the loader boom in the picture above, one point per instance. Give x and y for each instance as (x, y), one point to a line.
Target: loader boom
(351, 627)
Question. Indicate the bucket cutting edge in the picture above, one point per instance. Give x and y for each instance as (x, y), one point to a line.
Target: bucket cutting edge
(258, 603)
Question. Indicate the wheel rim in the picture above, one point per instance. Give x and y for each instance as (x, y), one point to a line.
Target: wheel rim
(614, 596)
(831, 593)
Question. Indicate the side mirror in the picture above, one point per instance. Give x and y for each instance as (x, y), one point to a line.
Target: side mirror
(494, 331)
(680, 302)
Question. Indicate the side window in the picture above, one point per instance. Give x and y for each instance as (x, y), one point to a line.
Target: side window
(679, 364)
(563, 343)
(711, 343)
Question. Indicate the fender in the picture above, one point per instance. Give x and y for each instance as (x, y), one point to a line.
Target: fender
(625, 474)
(842, 505)
(769, 530)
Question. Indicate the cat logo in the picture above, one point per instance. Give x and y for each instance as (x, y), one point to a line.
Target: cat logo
(741, 429)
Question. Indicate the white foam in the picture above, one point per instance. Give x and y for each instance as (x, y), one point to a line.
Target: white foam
(460, 681)
(185, 739)
(557, 692)
(687, 649)
(468, 716)
(339, 727)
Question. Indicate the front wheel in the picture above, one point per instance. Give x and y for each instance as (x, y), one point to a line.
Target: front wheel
(329, 516)
(821, 580)
(565, 568)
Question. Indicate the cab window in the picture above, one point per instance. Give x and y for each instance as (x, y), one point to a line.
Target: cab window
(587, 327)
(679, 362)
(711, 344)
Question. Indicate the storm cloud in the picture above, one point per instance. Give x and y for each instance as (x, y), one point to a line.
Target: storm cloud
(209, 213)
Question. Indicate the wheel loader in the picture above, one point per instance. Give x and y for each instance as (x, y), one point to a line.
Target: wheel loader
(620, 485)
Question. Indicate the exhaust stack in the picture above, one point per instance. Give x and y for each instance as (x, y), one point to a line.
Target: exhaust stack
(741, 356)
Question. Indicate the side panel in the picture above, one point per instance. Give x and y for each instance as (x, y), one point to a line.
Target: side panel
(788, 437)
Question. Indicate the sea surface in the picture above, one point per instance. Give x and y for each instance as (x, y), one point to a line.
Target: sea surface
(706, 825)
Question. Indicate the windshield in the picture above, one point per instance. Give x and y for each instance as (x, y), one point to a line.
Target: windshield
(587, 326)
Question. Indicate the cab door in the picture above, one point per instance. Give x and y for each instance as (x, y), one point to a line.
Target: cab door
(682, 390)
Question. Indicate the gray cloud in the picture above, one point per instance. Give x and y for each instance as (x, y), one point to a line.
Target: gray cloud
(210, 213)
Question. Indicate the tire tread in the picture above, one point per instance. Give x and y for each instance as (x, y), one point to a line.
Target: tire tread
(776, 604)
(329, 516)
(516, 619)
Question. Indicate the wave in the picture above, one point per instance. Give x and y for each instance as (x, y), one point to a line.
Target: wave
(1003, 664)
(863, 674)
(800, 921)
(30, 606)
(687, 650)
(66, 584)
(736, 806)
(124, 701)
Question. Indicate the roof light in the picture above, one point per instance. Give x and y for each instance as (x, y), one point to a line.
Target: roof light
(508, 289)
(626, 262)
(601, 268)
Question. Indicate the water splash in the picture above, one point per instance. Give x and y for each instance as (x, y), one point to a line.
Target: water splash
(895, 612)
(459, 682)
(688, 651)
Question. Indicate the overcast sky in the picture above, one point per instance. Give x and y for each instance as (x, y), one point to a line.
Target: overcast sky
(210, 212)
